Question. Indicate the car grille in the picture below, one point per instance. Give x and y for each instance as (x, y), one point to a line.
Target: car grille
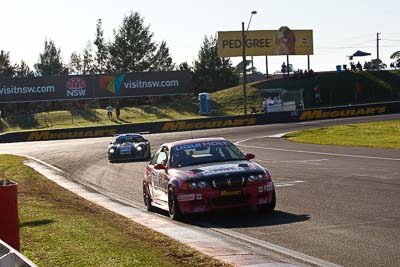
(231, 200)
(227, 182)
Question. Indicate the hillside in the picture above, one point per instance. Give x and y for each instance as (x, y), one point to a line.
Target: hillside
(335, 88)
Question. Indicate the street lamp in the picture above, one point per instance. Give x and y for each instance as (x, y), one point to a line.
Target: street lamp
(244, 77)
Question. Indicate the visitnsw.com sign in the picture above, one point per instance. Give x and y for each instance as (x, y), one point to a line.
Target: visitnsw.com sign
(94, 86)
(266, 43)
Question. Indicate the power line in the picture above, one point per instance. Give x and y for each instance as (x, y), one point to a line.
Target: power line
(391, 40)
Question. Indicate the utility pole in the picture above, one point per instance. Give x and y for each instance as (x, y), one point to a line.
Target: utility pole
(377, 49)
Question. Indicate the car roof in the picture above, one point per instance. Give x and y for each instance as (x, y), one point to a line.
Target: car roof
(191, 141)
(127, 134)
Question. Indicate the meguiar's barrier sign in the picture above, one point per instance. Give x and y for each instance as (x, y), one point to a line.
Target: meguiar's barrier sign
(206, 123)
(33, 89)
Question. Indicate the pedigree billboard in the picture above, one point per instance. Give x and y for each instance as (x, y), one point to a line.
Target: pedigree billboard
(266, 43)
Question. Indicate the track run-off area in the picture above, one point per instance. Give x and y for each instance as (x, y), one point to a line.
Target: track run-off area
(334, 203)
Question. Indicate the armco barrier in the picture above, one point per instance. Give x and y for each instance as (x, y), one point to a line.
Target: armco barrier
(11, 257)
(207, 123)
(9, 221)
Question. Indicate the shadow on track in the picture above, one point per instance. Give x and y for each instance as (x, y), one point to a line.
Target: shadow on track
(241, 218)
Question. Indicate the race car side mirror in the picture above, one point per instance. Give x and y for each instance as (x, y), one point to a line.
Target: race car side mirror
(159, 166)
(249, 156)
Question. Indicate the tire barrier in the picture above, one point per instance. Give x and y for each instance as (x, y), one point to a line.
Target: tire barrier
(9, 221)
(207, 123)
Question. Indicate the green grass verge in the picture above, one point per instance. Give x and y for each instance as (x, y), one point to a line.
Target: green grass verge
(378, 134)
(58, 228)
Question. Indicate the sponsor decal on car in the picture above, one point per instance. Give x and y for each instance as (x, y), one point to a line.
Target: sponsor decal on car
(47, 135)
(185, 125)
(222, 170)
(320, 114)
(203, 144)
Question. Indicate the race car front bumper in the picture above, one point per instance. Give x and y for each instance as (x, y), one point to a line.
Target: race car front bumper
(209, 200)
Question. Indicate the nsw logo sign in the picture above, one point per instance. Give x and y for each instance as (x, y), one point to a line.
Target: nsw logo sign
(76, 87)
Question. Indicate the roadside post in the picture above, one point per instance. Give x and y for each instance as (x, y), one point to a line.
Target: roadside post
(9, 221)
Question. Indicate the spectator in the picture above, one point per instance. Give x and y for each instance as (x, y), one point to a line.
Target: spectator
(317, 94)
(359, 67)
(109, 111)
(117, 110)
(270, 101)
(283, 68)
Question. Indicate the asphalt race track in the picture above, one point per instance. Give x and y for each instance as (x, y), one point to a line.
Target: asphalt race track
(339, 204)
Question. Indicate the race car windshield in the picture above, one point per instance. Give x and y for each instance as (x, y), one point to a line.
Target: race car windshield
(129, 138)
(204, 152)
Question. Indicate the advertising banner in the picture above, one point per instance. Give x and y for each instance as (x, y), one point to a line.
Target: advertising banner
(266, 43)
(54, 88)
(45, 88)
(144, 84)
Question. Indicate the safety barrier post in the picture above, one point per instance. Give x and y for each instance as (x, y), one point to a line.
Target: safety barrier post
(9, 221)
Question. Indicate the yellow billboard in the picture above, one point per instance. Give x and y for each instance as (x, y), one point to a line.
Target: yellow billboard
(266, 43)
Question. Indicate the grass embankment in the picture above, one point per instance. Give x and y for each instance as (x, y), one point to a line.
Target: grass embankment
(378, 134)
(57, 228)
(339, 88)
(335, 88)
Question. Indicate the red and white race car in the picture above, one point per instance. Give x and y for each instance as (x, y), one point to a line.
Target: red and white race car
(207, 174)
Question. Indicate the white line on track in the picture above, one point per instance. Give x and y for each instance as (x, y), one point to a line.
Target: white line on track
(273, 247)
(238, 143)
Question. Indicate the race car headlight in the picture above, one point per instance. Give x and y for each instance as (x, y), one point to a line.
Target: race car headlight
(139, 148)
(195, 185)
(252, 178)
(255, 178)
(202, 184)
(111, 151)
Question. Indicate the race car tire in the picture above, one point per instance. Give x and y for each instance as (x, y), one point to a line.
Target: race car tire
(173, 206)
(270, 207)
(148, 154)
(147, 199)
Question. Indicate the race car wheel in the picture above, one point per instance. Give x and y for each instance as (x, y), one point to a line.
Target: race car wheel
(173, 206)
(148, 154)
(269, 208)
(147, 199)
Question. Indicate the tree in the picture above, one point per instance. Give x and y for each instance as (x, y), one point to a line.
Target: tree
(239, 67)
(6, 68)
(88, 65)
(212, 72)
(162, 61)
(374, 64)
(133, 48)
(50, 62)
(102, 57)
(23, 70)
(75, 64)
(396, 57)
(184, 66)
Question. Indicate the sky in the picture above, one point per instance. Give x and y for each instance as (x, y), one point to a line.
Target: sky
(339, 27)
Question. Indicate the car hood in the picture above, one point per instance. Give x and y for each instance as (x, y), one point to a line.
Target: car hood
(217, 169)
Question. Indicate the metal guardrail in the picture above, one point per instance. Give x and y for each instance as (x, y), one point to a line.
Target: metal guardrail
(10, 257)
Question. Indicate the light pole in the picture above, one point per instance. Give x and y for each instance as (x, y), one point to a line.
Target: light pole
(244, 77)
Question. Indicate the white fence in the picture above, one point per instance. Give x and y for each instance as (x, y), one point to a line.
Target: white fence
(279, 107)
(10, 257)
